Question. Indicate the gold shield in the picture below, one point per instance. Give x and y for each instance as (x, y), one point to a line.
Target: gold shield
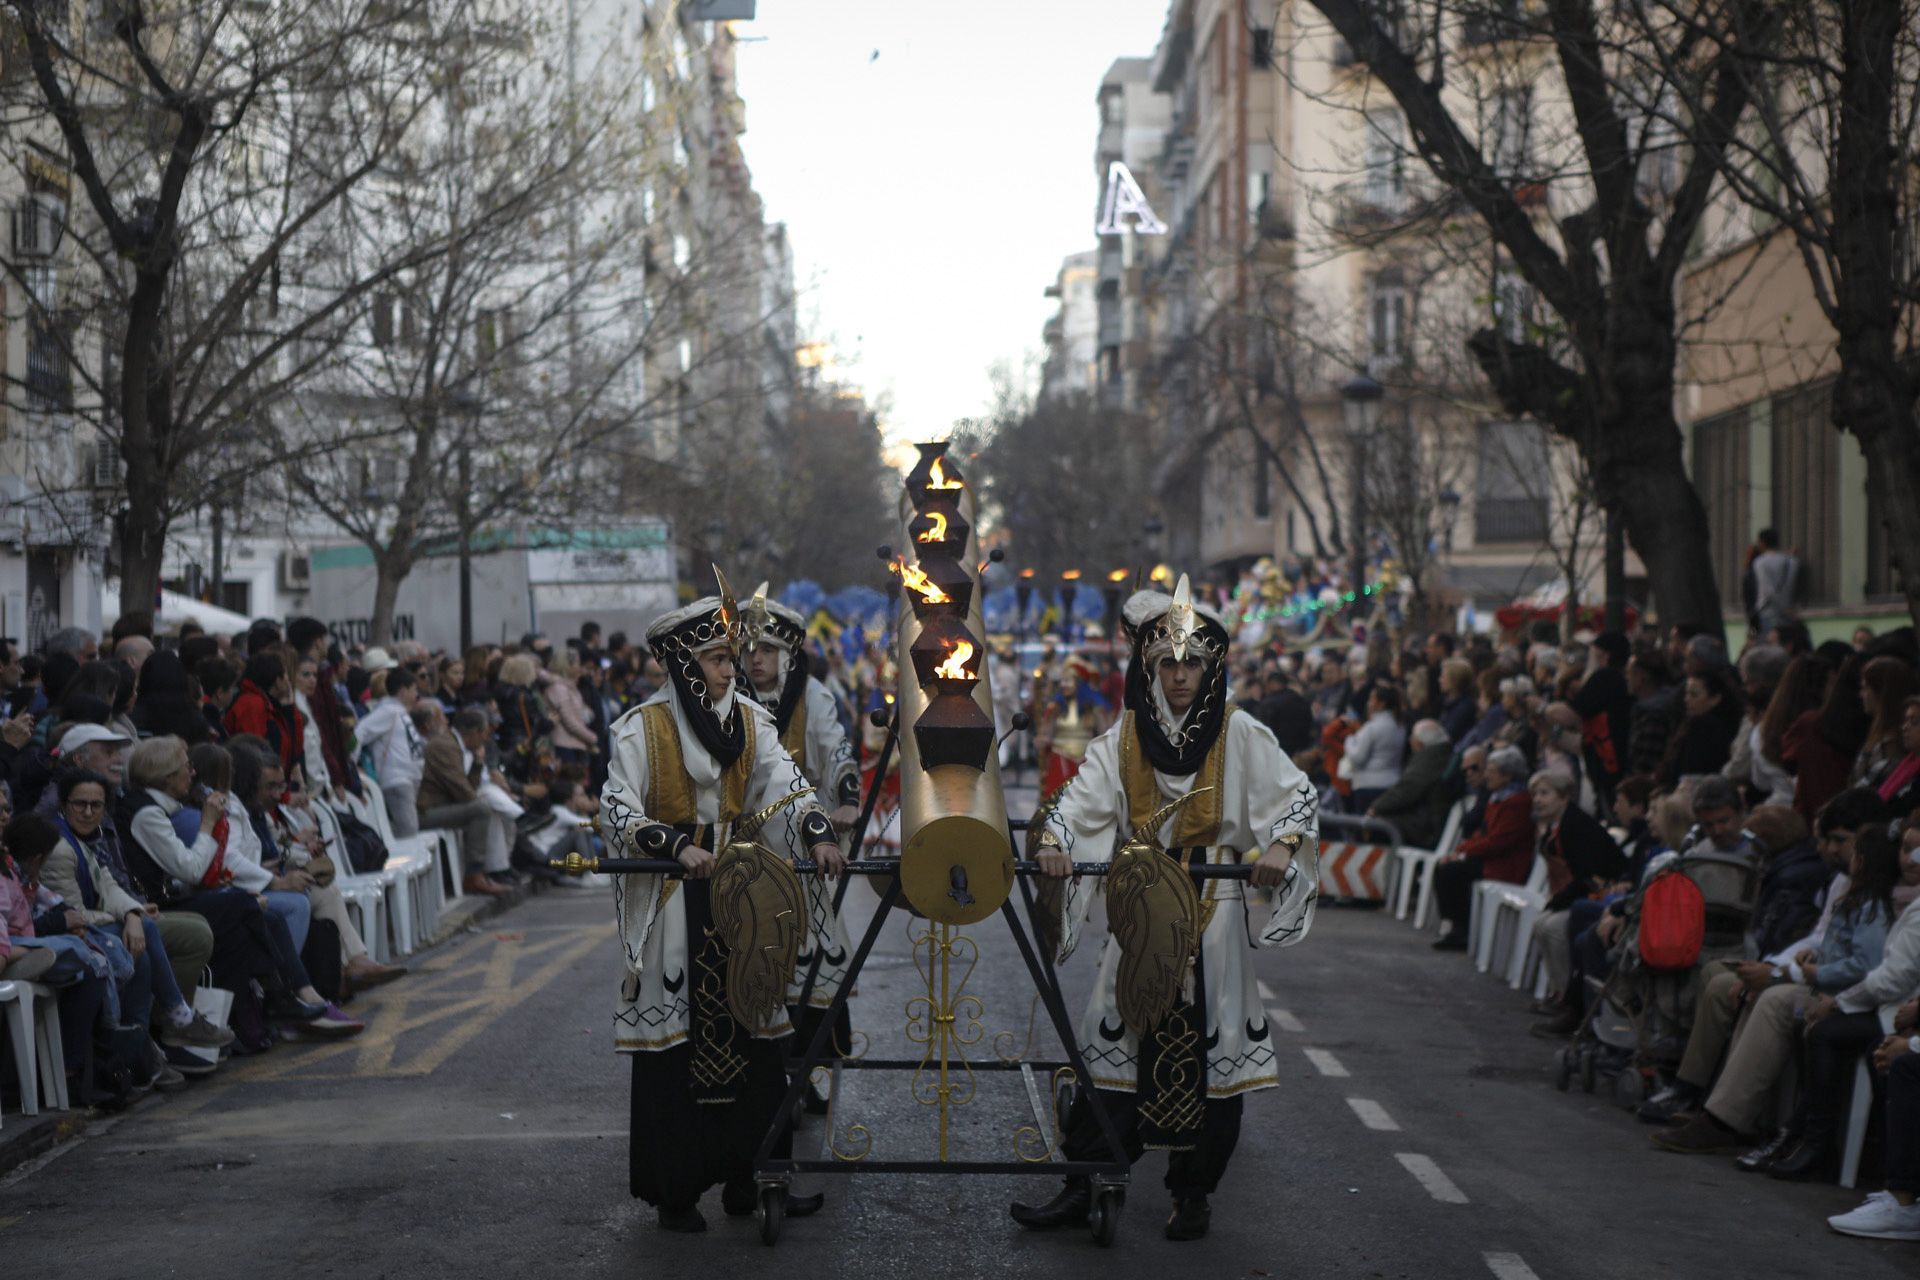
(758, 913)
(1154, 913)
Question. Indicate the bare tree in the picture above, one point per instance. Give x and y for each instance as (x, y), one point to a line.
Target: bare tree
(1599, 244)
(1827, 154)
(217, 149)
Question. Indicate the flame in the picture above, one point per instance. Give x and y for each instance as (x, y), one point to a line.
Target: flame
(1071, 575)
(955, 667)
(937, 478)
(1118, 575)
(916, 578)
(937, 531)
(1026, 573)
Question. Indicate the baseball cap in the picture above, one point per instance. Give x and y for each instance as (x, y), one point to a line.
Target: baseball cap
(81, 735)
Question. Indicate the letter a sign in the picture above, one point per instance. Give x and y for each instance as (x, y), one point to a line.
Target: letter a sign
(1126, 200)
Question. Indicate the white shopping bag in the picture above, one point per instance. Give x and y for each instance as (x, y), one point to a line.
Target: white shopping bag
(214, 1004)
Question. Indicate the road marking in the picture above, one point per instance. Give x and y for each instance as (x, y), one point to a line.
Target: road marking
(1373, 1115)
(1428, 1175)
(1509, 1266)
(1327, 1064)
(1266, 992)
(1285, 1021)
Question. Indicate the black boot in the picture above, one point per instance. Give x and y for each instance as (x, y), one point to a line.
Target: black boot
(1761, 1159)
(1068, 1209)
(1811, 1156)
(686, 1221)
(1190, 1219)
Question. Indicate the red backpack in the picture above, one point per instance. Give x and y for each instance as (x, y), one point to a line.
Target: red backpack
(1673, 922)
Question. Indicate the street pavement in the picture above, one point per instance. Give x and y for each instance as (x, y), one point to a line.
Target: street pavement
(479, 1127)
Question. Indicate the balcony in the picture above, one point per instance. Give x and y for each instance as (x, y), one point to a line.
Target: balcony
(1272, 221)
(1382, 202)
(1498, 520)
(1495, 23)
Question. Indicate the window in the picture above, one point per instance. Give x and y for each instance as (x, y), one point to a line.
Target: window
(1720, 475)
(1387, 322)
(49, 342)
(1512, 482)
(647, 93)
(1113, 107)
(1806, 485)
(384, 304)
(1259, 192)
(1386, 174)
(1656, 140)
(1507, 131)
(1262, 48)
(1512, 305)
(1262, 485)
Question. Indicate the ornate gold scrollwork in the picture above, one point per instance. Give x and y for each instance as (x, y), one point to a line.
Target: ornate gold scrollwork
(945, 1020)
(1003, 1042)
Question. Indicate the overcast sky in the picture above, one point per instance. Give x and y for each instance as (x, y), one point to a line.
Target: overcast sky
(933, 163)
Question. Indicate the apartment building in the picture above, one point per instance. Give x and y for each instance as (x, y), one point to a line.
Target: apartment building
(1072, 332)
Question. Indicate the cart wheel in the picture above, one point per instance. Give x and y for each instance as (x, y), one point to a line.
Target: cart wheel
(1104, 1216)
(1629, 1087)
(1563, 1069)
(1589, 1069)
(772, 1212)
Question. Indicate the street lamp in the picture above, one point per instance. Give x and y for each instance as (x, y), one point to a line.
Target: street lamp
(1360, 398)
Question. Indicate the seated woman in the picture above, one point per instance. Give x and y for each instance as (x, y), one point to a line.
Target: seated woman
(250, 943)
(291, 840)
(81, 980)
(1763, 1029)
(1582, 860)
(77, 872)
(1501, 850)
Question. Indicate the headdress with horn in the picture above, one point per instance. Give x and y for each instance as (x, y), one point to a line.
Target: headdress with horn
(1182, 630)
(678, 639)
(764, 620)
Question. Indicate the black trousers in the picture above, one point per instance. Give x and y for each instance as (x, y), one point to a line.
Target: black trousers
(1191, 1174)
(678, 1148)
(1832, 1046)
(1903, 1124)
(1453, 891)
(246, 942)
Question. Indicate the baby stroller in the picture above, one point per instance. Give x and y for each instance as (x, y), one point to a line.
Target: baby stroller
(1639, 1016)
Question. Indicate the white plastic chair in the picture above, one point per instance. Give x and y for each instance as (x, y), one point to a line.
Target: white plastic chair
(1859, 1108)
(1493, 902)
(34, 1027)
(415, 895)
(17, 999)
(1423, 861)
(442, 846)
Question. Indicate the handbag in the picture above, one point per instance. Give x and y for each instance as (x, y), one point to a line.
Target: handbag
(321, 868)
(366, 851)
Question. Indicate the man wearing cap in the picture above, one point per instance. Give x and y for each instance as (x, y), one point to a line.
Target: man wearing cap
(186, 938)
(1179, 1083)
(687, 765)
(804, 713)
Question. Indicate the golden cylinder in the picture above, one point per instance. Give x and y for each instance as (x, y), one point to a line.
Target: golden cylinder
(956, 860)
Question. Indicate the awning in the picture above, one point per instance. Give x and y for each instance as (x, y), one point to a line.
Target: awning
(176, 609)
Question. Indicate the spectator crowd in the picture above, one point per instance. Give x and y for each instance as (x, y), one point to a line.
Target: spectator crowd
(1596, 770)
(178, 811)
(179, 814)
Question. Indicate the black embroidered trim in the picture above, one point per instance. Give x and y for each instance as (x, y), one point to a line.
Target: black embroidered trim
(658, 840)
(815, 828)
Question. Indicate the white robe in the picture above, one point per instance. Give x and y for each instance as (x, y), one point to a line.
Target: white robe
(652, 1012)
(1265, 797)
(828, 758)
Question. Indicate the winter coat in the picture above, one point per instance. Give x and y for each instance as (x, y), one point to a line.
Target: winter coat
(1788, 903)
(1418, 803)
(1504, 844)
(572, 730)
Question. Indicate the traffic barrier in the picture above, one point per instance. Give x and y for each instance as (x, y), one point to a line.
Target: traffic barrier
(1356, 856)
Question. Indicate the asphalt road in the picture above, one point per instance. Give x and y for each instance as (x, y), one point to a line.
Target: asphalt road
(479, 1127)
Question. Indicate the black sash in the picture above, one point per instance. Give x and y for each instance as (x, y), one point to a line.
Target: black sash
(719, 1042)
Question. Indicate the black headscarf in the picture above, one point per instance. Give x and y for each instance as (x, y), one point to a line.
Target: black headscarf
(782, 701)
(676, 648)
